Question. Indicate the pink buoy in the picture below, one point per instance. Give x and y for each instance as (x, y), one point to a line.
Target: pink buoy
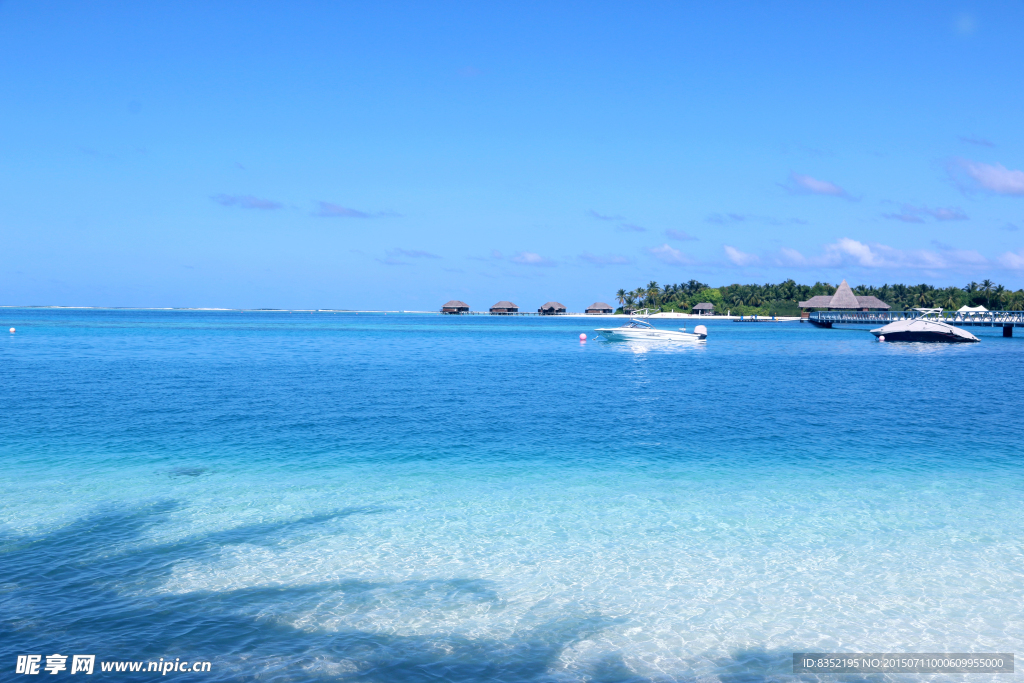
(881, 337)
(12, 330)
(583, 337)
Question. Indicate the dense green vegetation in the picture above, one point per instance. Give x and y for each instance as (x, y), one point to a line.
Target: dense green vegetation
(782, 298)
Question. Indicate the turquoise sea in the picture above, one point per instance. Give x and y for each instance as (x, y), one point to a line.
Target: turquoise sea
(328, 496)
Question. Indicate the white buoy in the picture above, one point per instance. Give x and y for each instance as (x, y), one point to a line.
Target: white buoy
(881, 337)
(12, 330)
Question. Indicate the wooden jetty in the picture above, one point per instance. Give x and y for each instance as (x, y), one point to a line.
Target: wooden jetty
(1004, 319)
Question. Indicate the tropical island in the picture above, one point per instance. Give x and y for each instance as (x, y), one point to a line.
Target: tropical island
(783, 299)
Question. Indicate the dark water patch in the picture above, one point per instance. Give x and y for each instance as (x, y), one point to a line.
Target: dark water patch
(88, 589)
(187, 471)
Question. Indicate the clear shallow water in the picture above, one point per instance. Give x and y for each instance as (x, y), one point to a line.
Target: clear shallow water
(416, 498)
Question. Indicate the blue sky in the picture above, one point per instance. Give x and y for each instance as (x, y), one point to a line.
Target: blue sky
(397, 155)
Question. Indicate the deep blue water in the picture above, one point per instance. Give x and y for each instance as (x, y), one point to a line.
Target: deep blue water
(296, 496)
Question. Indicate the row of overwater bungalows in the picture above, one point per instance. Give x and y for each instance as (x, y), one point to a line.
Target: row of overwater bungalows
(456, 307)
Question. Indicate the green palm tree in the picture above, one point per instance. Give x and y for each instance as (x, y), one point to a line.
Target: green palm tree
(999, 296)
(652, 293)
(986, 289)
(620, 296)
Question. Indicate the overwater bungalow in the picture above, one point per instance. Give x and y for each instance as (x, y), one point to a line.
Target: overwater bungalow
(504, 308)
(552, 308)
(704, 308)
(843, 300)
(455, 307)
(599, 308)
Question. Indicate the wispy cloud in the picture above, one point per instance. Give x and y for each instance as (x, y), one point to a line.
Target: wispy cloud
(495, 256)
(791, 257)
(994, 177)
(411, 253)
(965, 24)
(805, 184)
(604, 217)
(847, 253)
(613, 217)
(667, 254)
(469, 72)
(1010, 227)
(329, 210)
(529, 258)
(1012, 260)
(980, 142)
(730, 218)
(680, 235)
(246, 201)
(915, 214)
(904, 216)
(952, 213)
(725, 218)
(740, 258)
(613, 260)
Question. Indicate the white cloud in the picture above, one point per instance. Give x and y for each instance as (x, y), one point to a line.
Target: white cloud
(528, 258)
(996, 178)
(791, 257)
(1012, 260)
(807, 184)
(740, 258)
(667, 254)
(847, 252)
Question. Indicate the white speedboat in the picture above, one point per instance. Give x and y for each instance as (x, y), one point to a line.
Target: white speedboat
(923, 329)
(641, 330)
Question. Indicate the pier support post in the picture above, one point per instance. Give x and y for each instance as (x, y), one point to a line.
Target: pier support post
(1008, 331)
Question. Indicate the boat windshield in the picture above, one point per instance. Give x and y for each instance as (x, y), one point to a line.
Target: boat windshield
(639, 324)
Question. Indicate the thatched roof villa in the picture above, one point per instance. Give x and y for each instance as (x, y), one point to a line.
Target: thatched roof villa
(843, 300)
(552, 308)
(455, 307)
(599, 308)
(504, 308)
(704, 308)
